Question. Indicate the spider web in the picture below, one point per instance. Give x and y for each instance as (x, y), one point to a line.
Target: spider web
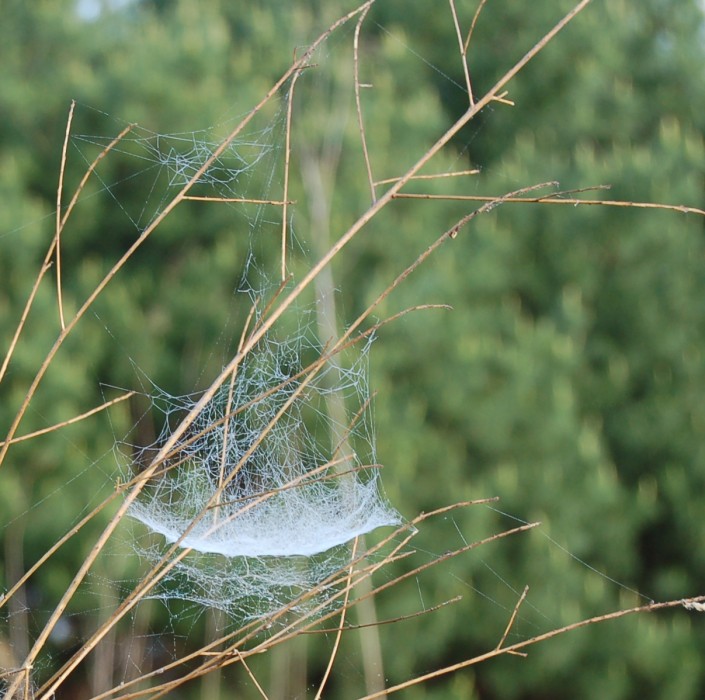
(266, 488)
(161, 164)
(256, 489)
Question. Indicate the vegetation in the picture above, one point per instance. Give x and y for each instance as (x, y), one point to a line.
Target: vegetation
(566, 380)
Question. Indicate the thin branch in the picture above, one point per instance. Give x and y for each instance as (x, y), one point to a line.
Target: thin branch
(59, 192)
(52, 550)
(66, 330)
(552, 199)
(287, 159)
(472, 27)
(513, 617)
(90, 170)
(435, 176)
(341, 626)
(491, 204)
(47, 260)
(237, 200)
(454, 553)
(358, 102)
(25, 313)
(252, 677)
(71, 421)
(463, 58)
(393, 620)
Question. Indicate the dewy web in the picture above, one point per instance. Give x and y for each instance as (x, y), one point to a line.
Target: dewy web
(265, 488)
(272, 511)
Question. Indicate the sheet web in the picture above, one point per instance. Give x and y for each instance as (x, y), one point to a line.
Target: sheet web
(257, 489)
(265, 489)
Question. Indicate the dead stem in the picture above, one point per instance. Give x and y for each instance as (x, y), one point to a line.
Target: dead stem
(463, 55)
(395, 620)
(358, 103)
(476, 16)
(341, 626)
(287, 160)
(66, 330)
(435, 176)
(522, 597)
(47, 264)
(552, 199)
(23, 318)
(71, 421)
(491, 204)
(237, 200)
(59, 191)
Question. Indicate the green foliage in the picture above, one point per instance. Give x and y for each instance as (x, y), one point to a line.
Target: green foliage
(567, 379)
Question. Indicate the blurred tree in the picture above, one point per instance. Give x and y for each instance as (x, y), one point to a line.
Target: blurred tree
(566, 380)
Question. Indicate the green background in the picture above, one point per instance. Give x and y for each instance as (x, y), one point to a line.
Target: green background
(567, 379)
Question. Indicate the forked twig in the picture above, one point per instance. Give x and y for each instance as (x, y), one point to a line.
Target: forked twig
(463, 56)
(489, 205)
(522, 597)
(65, 330)
(514, 648)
